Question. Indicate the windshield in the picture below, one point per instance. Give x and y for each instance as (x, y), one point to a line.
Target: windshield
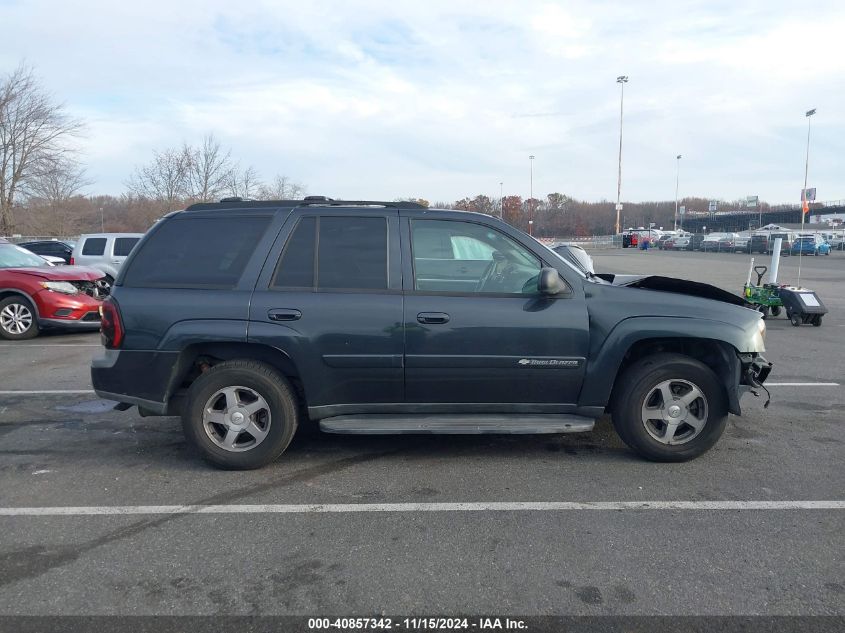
(15, 257)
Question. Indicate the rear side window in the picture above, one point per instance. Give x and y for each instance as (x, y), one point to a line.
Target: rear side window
(196, 253)
(94, 246)
(351, 254)
(296, 267)
(124, 245)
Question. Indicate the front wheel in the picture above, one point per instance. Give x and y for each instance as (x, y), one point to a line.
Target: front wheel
(17, 319)
(240, 414)
(670, 408)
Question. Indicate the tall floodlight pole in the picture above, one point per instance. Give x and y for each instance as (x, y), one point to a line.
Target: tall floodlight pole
(677, 180)
(805, 203)
(621, 80)
(531, 197)
(501, 200)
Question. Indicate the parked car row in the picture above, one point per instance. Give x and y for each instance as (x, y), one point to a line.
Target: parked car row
(791, 244)
(36, 293)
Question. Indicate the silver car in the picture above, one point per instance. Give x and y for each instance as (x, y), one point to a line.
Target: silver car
(575, 255)
(104, 251)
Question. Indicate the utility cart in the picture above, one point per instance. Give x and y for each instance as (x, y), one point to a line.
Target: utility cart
(762, 297)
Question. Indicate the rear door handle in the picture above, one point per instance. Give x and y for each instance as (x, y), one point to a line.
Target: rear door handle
(287, 314)
(430, 318)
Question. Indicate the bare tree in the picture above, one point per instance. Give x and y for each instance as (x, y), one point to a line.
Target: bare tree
(281, 188)
(56, 180)
(244, 183)
(166, 178)
(34, 132)
(209, 169)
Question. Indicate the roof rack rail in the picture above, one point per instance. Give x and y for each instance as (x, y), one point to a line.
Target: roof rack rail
(330, 202)
(308, 201)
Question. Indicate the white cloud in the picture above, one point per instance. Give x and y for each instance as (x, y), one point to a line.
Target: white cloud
(446, 98)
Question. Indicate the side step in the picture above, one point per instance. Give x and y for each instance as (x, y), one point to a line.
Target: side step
(472, 424)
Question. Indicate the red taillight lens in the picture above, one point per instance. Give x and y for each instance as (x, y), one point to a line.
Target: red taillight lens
(71, 262)
(111, 326)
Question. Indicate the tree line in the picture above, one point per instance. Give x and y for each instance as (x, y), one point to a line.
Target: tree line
(42, 180)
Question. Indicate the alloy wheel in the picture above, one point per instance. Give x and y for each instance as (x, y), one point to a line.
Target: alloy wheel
(236, 418)
(674, 412)
(16, 318)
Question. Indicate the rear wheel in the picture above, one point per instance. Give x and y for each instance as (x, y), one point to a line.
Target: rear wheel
(240, 415)
(775, 310)
(670, 408)
(18, 319)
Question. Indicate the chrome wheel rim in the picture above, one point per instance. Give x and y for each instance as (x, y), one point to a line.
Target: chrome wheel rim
(236, 419)
(103, 287)
(15, 318)
(674, 412)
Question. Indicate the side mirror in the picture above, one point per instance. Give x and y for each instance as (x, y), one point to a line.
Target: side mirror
(549, 282)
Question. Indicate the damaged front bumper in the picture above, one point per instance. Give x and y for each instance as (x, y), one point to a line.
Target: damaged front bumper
(754, 369)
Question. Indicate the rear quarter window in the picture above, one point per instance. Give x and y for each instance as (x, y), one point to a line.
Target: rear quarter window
(94, 246)
(196, 252)
(124, 245)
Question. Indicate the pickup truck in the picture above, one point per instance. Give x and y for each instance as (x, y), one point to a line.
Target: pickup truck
(248, 319)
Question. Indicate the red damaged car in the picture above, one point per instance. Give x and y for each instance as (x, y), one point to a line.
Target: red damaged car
(35, 295)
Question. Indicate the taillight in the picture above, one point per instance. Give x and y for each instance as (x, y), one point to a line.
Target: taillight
(71, 262)
(111, 326)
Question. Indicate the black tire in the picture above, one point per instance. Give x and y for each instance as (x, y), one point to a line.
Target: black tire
(18, 305)
(270, 385)
(817, 321)
(764, 310)
(775, 310)
(637, 383)
(795, 320)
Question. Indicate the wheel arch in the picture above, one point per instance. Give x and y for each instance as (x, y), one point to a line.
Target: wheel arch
(713, 343)
(197, 358)
(717, 355)
(5, 293)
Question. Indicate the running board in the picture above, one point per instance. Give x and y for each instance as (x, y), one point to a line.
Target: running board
(474, 424)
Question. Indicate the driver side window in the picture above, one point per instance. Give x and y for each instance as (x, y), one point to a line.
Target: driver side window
(464, 257)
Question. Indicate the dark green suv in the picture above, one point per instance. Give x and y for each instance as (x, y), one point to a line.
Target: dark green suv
(251, 318)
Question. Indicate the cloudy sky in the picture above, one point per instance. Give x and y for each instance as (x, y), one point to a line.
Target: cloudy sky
(446, 98)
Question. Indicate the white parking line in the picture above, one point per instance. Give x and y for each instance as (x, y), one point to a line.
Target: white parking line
(35, 392)
(801, 384)
(24, 346)
(492, 506)
(46, 392)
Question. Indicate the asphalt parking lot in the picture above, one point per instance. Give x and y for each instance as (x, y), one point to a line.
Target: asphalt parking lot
(63, 448)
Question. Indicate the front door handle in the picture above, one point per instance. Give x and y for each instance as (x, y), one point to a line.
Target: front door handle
(430, 318)
(287, 314)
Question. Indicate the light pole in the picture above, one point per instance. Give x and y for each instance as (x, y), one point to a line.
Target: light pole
(102, 221)
(805, 204)
(677, 180)
(531, 197)
(501, 201)
(621, 80)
